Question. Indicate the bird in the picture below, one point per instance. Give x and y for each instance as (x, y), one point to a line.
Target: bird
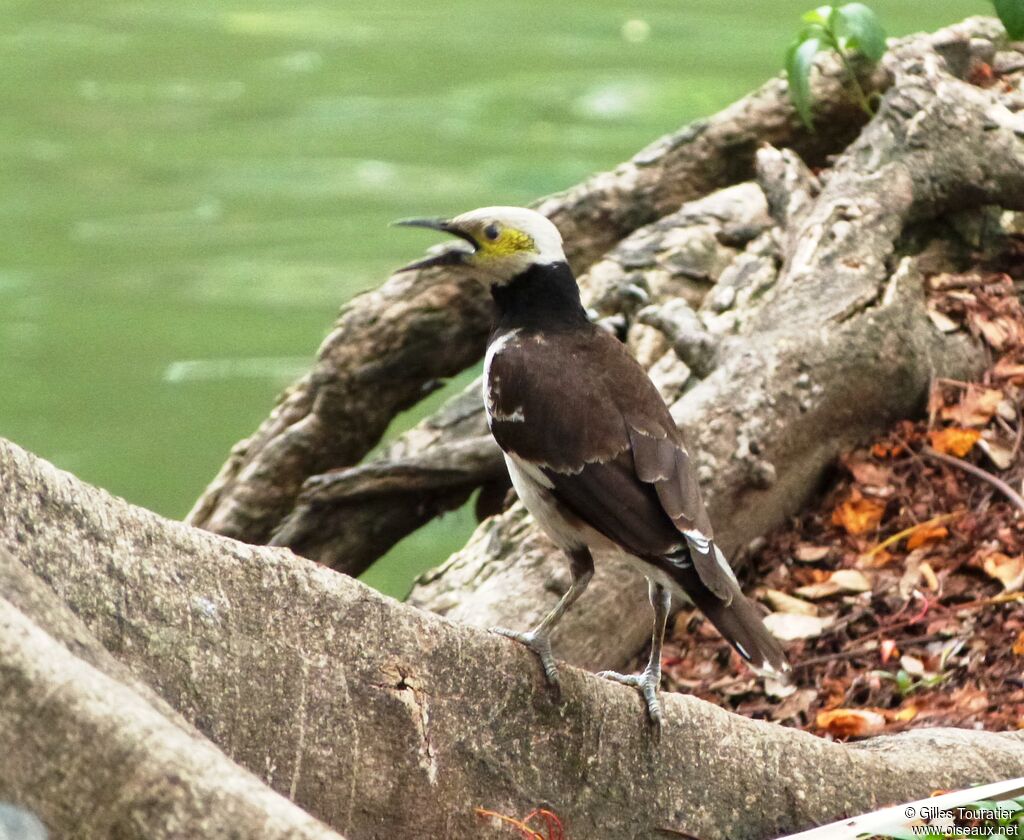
(590, 446)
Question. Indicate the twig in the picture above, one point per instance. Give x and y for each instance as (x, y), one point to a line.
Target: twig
(998, 483)
(1020, 435)
(865, 651)
(906, 532)
(1001, 598)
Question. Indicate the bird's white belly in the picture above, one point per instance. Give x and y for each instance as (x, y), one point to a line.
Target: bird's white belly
(532, 486)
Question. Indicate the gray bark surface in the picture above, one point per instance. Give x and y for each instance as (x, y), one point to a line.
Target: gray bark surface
(95, 753)
(380, 719)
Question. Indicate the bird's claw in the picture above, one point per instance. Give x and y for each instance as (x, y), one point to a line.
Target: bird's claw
(540, 645)
(648, 682)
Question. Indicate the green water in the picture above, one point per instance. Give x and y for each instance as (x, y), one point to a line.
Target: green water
(189, 191)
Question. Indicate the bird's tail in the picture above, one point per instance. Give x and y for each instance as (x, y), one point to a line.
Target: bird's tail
(704, 574)
(741, 626)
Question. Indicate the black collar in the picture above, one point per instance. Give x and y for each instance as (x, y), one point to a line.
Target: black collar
(542, 297)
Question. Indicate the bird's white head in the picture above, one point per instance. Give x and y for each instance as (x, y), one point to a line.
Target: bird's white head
(505, 242)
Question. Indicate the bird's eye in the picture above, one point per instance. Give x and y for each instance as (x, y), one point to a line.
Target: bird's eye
(491, 231)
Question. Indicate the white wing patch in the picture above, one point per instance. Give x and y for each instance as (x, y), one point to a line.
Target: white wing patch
(697, 541)
(704, 547)
(725, 565)
(529, 470)
(491, 383)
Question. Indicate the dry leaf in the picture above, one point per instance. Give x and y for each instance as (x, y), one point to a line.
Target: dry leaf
(928, 573)
(954, 441)
(850, 723)
(875, 560)
(798, 703)
(905, 714)
(886, 450)
(807, 553)
(912, 665)
(912, 575)
(1001, 456)
(788, 627)
(858, 515)
(943, 323)
(887, 650)
(1007, 369)
(997, 332)
(779, 687)
(945, 280)
(842, 580)
(970, 700)
(869, 474)
(976, 407)
(926, 533)
(783, 603)
(1018, 646)
(1009, 571)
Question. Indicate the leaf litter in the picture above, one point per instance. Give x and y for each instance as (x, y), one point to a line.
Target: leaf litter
(900, 594)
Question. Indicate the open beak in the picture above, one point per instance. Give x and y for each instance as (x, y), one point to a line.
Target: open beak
(450, 257)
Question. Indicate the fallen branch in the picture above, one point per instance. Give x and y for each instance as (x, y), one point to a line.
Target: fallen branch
(386, 721)
(95, 757)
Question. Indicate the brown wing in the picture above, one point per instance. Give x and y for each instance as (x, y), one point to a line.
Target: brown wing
(587, 414)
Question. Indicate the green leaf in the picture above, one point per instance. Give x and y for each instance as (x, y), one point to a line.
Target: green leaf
(820, 16)
(799, 59)
(863, 30)
(1011, 13)
(904, 683)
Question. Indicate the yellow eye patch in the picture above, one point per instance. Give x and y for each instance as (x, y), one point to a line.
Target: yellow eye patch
(510, 241)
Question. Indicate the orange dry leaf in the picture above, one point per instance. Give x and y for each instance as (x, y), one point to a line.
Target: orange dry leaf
(907, 713)
(954, 441)
(850, 723)
(1018, 646)
(858, 515)
(926, 533)
(874, 559)
(886, 450)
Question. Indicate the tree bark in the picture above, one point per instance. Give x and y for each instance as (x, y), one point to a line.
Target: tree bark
(378, 718)
(95, 753)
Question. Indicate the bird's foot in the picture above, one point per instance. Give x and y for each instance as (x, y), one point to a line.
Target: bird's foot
(540, 644)
(648, 682)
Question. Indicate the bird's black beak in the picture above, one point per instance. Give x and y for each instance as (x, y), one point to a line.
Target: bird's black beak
(450, 257)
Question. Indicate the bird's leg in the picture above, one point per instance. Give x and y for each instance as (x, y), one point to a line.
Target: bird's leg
(581, 568)
(649, 681)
